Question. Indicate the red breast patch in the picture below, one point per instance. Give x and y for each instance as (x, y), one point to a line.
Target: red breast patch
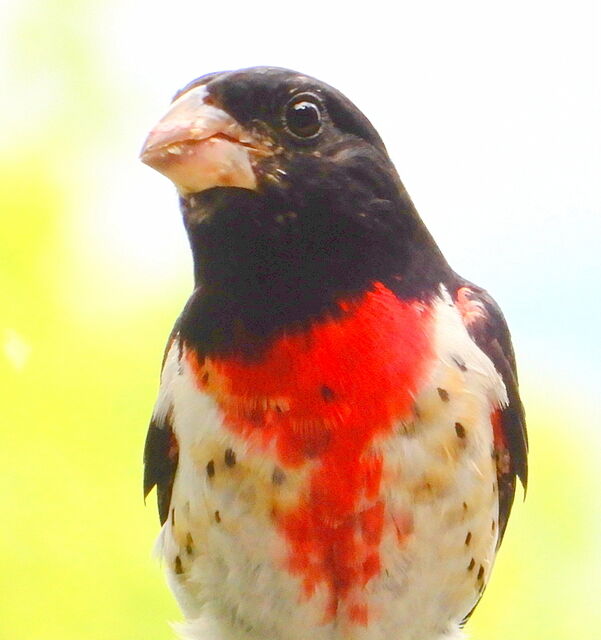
(320, 398)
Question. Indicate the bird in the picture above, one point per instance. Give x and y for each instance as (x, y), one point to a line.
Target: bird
(338, 432)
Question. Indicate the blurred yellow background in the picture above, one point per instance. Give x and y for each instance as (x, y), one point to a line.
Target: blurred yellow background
(492, 118)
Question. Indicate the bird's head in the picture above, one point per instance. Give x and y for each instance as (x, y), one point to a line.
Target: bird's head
(231, 129)
(285, 170)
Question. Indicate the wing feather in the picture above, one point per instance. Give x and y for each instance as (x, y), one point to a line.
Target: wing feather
(161, 450)
(487, 327)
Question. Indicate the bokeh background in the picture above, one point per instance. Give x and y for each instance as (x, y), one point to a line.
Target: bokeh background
(491, 113)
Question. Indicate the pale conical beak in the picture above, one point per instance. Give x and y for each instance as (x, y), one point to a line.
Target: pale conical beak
(198, 146)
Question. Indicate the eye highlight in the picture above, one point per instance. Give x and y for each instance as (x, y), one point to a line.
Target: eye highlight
(302, 116)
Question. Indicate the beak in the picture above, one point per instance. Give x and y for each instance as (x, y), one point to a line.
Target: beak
(199, 146)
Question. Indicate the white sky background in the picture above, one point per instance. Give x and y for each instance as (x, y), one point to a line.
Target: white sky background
(490, 111)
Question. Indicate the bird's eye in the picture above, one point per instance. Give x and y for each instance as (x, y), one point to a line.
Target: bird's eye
(303, 116)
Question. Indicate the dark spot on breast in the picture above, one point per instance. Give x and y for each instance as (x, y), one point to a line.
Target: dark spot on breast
(217, 517)
(407, 428)
(460, 362)
(468, 538)
(315, 442)
(480, 573)
(205, 377)
(493, 525)
(465, 506)
(459, 430)
(471, 565)
(278, 409)
(178, 566)
(230, 457)
(189, 544)
(173, 517)
(444, 394)
(277, 477)
(327, 394)
(211, 468)
(255, 416)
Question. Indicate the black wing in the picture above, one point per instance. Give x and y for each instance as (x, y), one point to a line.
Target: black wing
(487, 327)
(161, 453)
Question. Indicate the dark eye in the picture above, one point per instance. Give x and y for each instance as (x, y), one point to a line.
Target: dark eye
(303, 116)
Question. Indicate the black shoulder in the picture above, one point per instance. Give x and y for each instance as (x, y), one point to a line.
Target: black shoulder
(486, 325)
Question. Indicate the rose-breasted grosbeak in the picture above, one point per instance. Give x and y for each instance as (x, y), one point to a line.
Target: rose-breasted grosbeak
(338, 429)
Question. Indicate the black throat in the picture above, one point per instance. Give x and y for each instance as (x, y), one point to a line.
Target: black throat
(278, 260)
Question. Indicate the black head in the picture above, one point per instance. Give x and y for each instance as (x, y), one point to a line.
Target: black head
(326, 218)
(269, 100)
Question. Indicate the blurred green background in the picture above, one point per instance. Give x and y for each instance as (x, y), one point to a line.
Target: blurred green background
(492, 118)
